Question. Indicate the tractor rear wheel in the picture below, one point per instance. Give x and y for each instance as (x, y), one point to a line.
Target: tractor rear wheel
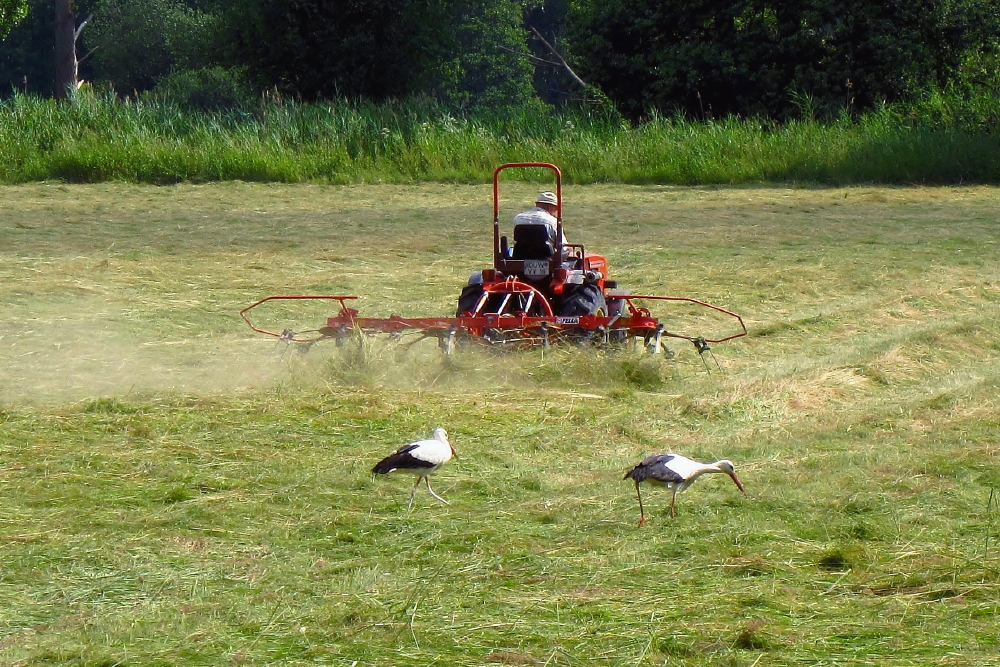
(584, 300)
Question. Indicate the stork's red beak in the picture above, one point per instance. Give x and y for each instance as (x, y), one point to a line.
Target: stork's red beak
(738, 484)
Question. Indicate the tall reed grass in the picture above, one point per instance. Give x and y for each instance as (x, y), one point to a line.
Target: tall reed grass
(101, 138)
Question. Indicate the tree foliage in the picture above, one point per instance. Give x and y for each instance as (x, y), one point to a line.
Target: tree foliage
(12, 12)
(318, 49)
(485, 63)
(137, 43)
(469, 52)
(717, 57)
(707, 58)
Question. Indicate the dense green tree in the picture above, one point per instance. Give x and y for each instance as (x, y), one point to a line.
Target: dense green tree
(469, 52)
(776, 58)
(484, 62)
(327, 48)
(705, 57)
(12, 12)
(137, 43)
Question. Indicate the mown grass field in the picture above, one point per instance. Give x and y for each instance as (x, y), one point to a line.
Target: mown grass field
(180, 491)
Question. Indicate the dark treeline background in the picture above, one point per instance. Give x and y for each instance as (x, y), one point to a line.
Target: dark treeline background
(777, 59)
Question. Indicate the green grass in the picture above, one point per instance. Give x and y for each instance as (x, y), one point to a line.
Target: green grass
(98, 139)
(178, 490)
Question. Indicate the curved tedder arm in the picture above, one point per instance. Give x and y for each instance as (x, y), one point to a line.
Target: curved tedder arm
(288, 335)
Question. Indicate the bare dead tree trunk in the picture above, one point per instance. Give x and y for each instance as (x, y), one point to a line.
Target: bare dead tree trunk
(66, 63)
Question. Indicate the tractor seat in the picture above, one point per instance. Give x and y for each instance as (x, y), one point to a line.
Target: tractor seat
(533, 242)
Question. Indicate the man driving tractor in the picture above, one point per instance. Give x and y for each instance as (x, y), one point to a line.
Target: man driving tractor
(544, 213)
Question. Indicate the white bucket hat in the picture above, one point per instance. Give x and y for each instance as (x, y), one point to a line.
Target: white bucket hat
(547, 198)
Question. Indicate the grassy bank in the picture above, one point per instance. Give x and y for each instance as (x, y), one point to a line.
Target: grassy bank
(178, 490)
(103, 139)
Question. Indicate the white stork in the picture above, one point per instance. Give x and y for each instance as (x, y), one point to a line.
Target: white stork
(676, 473)
(420, 458)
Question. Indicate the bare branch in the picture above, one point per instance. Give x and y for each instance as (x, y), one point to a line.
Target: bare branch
(534, 59)
(561, 59)
(89, 53)
(79, 28)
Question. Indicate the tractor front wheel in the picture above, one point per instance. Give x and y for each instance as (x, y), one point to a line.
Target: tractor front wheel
(468, 299)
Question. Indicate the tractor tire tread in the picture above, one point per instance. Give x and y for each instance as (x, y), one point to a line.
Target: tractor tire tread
(584, 300)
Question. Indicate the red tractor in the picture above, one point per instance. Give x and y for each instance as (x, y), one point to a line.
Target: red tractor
(538, 275)
(539, 291)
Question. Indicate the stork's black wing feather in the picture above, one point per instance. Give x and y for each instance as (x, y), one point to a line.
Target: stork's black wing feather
(654, 467)
(400, 459)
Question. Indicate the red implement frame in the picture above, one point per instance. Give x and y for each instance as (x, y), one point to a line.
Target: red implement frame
(518, 328)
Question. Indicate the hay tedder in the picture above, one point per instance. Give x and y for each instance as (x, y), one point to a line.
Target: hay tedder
(540, 291)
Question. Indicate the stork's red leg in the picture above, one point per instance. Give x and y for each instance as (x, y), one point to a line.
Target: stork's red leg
(642, 513)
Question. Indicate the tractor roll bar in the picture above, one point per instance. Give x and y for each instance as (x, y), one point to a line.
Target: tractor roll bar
(496, 201)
